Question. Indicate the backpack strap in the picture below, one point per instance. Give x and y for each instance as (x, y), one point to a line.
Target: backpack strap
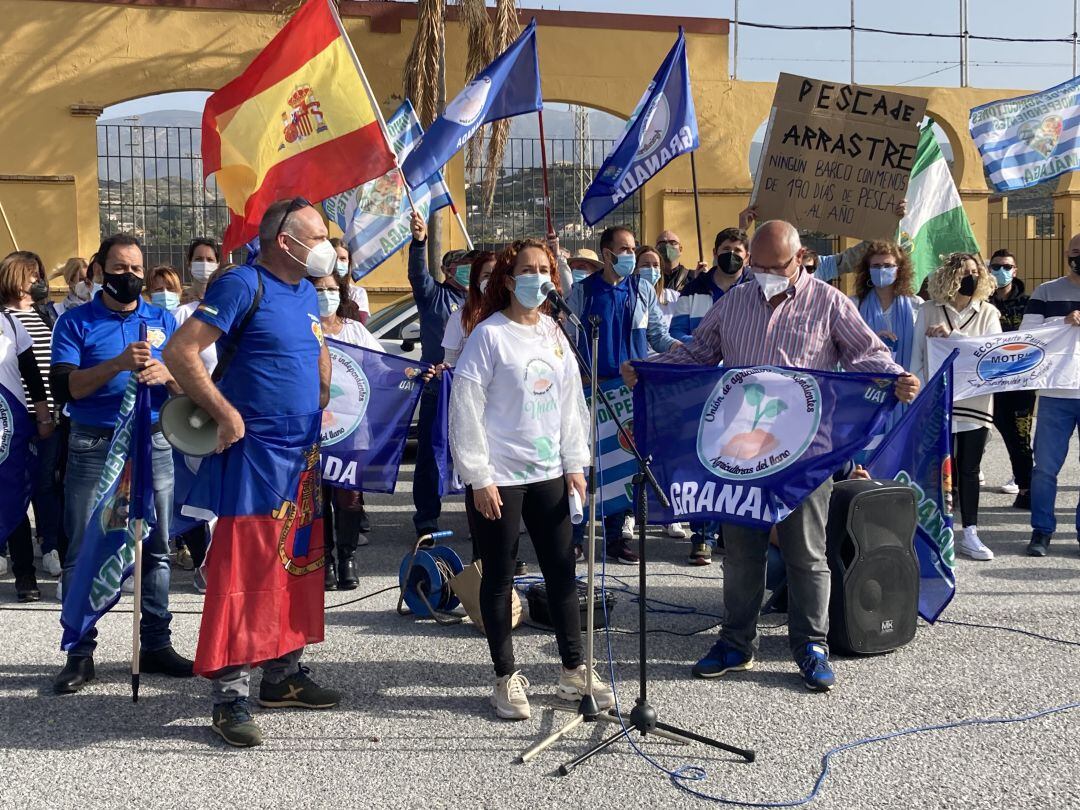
(229, 352)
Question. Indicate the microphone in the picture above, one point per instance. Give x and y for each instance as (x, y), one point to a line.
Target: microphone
(559, 303)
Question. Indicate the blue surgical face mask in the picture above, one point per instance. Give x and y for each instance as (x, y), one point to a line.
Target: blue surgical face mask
(624, 264)
(462, 273)
(341, 268)
(527, 289)
(329, 301)
(1003, 277)
(650, 274)
(883, 276)
(580, 275)
(165, 299)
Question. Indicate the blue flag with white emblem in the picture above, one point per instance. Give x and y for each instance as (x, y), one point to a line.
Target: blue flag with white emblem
(916, 453)
(123, 496)
(375, 216)
(747, 445)
(15, 459)
(507, 87)
(663, 126)
(1026, 140)
(366, 424)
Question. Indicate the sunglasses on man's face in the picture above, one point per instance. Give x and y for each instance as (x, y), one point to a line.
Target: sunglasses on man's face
(297, 204)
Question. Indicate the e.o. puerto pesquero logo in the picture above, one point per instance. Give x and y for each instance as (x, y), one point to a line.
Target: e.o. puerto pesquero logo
(757, 421)
(350, 394)
(1009, 356)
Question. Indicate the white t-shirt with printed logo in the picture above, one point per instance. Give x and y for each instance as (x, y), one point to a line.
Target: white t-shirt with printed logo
(14, 340)
(526, 372)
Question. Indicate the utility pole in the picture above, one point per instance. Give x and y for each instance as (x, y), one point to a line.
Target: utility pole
(853, 41)
(735, 55)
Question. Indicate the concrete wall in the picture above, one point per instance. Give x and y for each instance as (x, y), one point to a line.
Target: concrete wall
(65, 60)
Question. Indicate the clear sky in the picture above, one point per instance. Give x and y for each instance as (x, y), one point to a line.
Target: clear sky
(880, 59)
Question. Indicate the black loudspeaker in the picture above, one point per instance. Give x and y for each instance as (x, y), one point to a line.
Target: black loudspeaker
(875, 573)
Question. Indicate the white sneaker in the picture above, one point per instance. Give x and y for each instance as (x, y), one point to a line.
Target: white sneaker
(1010, 487)
(128, 585)
(676, 531)
(3, 565)
(982, 478)
(509, 698)
(629, 525)
(51, 563)
(60, 590)
(572, 687)
(199, 581)
(971, 546)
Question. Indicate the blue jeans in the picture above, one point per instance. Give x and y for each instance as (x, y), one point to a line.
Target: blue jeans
(88, 449)
(705, 531)
(46, 492)
(425, 488)
(1056, 421)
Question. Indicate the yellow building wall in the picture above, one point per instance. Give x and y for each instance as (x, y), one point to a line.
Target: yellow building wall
(66, 59)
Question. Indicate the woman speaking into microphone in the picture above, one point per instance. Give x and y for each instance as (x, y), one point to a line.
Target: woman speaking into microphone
(519, 437)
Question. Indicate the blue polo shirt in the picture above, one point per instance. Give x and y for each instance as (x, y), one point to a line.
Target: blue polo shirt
(275, 371)
(91, 334)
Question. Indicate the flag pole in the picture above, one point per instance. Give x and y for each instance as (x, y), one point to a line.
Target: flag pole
(460, 222)
(374, 103)
(544, 170)
(136, 611)
(697, 210)
(11, 233)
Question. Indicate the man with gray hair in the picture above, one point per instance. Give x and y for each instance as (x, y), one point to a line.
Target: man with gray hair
(786, 318)
(264, 583)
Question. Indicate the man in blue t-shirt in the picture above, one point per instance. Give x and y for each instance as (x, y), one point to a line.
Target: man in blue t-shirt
(95, 349)
(272, 364)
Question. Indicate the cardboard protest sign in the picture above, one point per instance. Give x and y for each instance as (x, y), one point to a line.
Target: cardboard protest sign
(837, 157)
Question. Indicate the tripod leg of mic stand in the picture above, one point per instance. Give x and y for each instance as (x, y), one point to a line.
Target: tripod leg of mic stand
(564, 770)
(611, 717)
(573, 723)
(745, 753)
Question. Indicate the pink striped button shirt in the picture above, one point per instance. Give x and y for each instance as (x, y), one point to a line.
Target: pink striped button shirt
(815, 326)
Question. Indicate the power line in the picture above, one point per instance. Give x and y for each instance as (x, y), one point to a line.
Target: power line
(928, 35)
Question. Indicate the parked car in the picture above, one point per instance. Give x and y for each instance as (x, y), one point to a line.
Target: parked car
(397, 328)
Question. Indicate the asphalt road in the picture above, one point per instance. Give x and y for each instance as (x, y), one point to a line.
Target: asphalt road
(416, 729)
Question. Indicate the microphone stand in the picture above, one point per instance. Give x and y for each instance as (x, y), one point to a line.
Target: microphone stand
(643, 717)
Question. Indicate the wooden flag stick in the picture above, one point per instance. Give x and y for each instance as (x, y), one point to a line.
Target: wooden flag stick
(544, 171)
(697, 210)
(7, 224)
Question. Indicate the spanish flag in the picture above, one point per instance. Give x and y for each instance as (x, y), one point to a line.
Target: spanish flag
(298, 122)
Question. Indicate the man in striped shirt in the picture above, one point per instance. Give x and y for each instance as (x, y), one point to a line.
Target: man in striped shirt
(786, 318)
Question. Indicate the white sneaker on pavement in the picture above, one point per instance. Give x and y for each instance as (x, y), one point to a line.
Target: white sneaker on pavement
(628, 527)
(200, 581)
(982, 478)
(509, 698)
(1010, 487)
(676, 531)
(971, 546)
(572, 685)
(51, 563)
(3, 565)
(60, 590)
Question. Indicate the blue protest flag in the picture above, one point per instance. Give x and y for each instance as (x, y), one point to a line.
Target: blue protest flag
(366, 424)
(123, 495)
(16, 429)
(662, 127)
(916, 452)
(507, 87)
(375, 216)
(449, 483)
(747, 445)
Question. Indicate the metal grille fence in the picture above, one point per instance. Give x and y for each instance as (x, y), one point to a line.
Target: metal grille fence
(1037, 240)
(518, 209)
(150, 184)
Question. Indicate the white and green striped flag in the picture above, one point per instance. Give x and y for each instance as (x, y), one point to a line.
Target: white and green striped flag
(936, 222)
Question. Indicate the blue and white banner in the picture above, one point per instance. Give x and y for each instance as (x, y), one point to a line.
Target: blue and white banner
(1026, 140)
(1025, 360)
(616, 464)
(366, 424)
(662, 127)
(123, 496)
(375, 216)
(16, 428)
(507, 87)
(449, 481)
(916, 453)
(747, 445)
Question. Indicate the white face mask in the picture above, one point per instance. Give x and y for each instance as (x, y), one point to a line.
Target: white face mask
(771, 285)
(84, 290)
(201, 270)
(321, 259)
(483, 286)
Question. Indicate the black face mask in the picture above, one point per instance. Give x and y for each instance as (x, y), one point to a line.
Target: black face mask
(124, 287)
(1074, 263)
(728, 262)
(39, 291)
(967, 285)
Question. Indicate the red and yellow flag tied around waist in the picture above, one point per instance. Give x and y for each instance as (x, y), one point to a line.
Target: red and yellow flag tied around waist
(298, 122)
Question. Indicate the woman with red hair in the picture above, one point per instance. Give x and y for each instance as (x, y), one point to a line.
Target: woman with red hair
(519, 437)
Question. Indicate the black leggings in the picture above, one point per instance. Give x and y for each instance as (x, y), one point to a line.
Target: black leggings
(1012, 417)
(546, 512)
(21, 548)
(968, 447)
